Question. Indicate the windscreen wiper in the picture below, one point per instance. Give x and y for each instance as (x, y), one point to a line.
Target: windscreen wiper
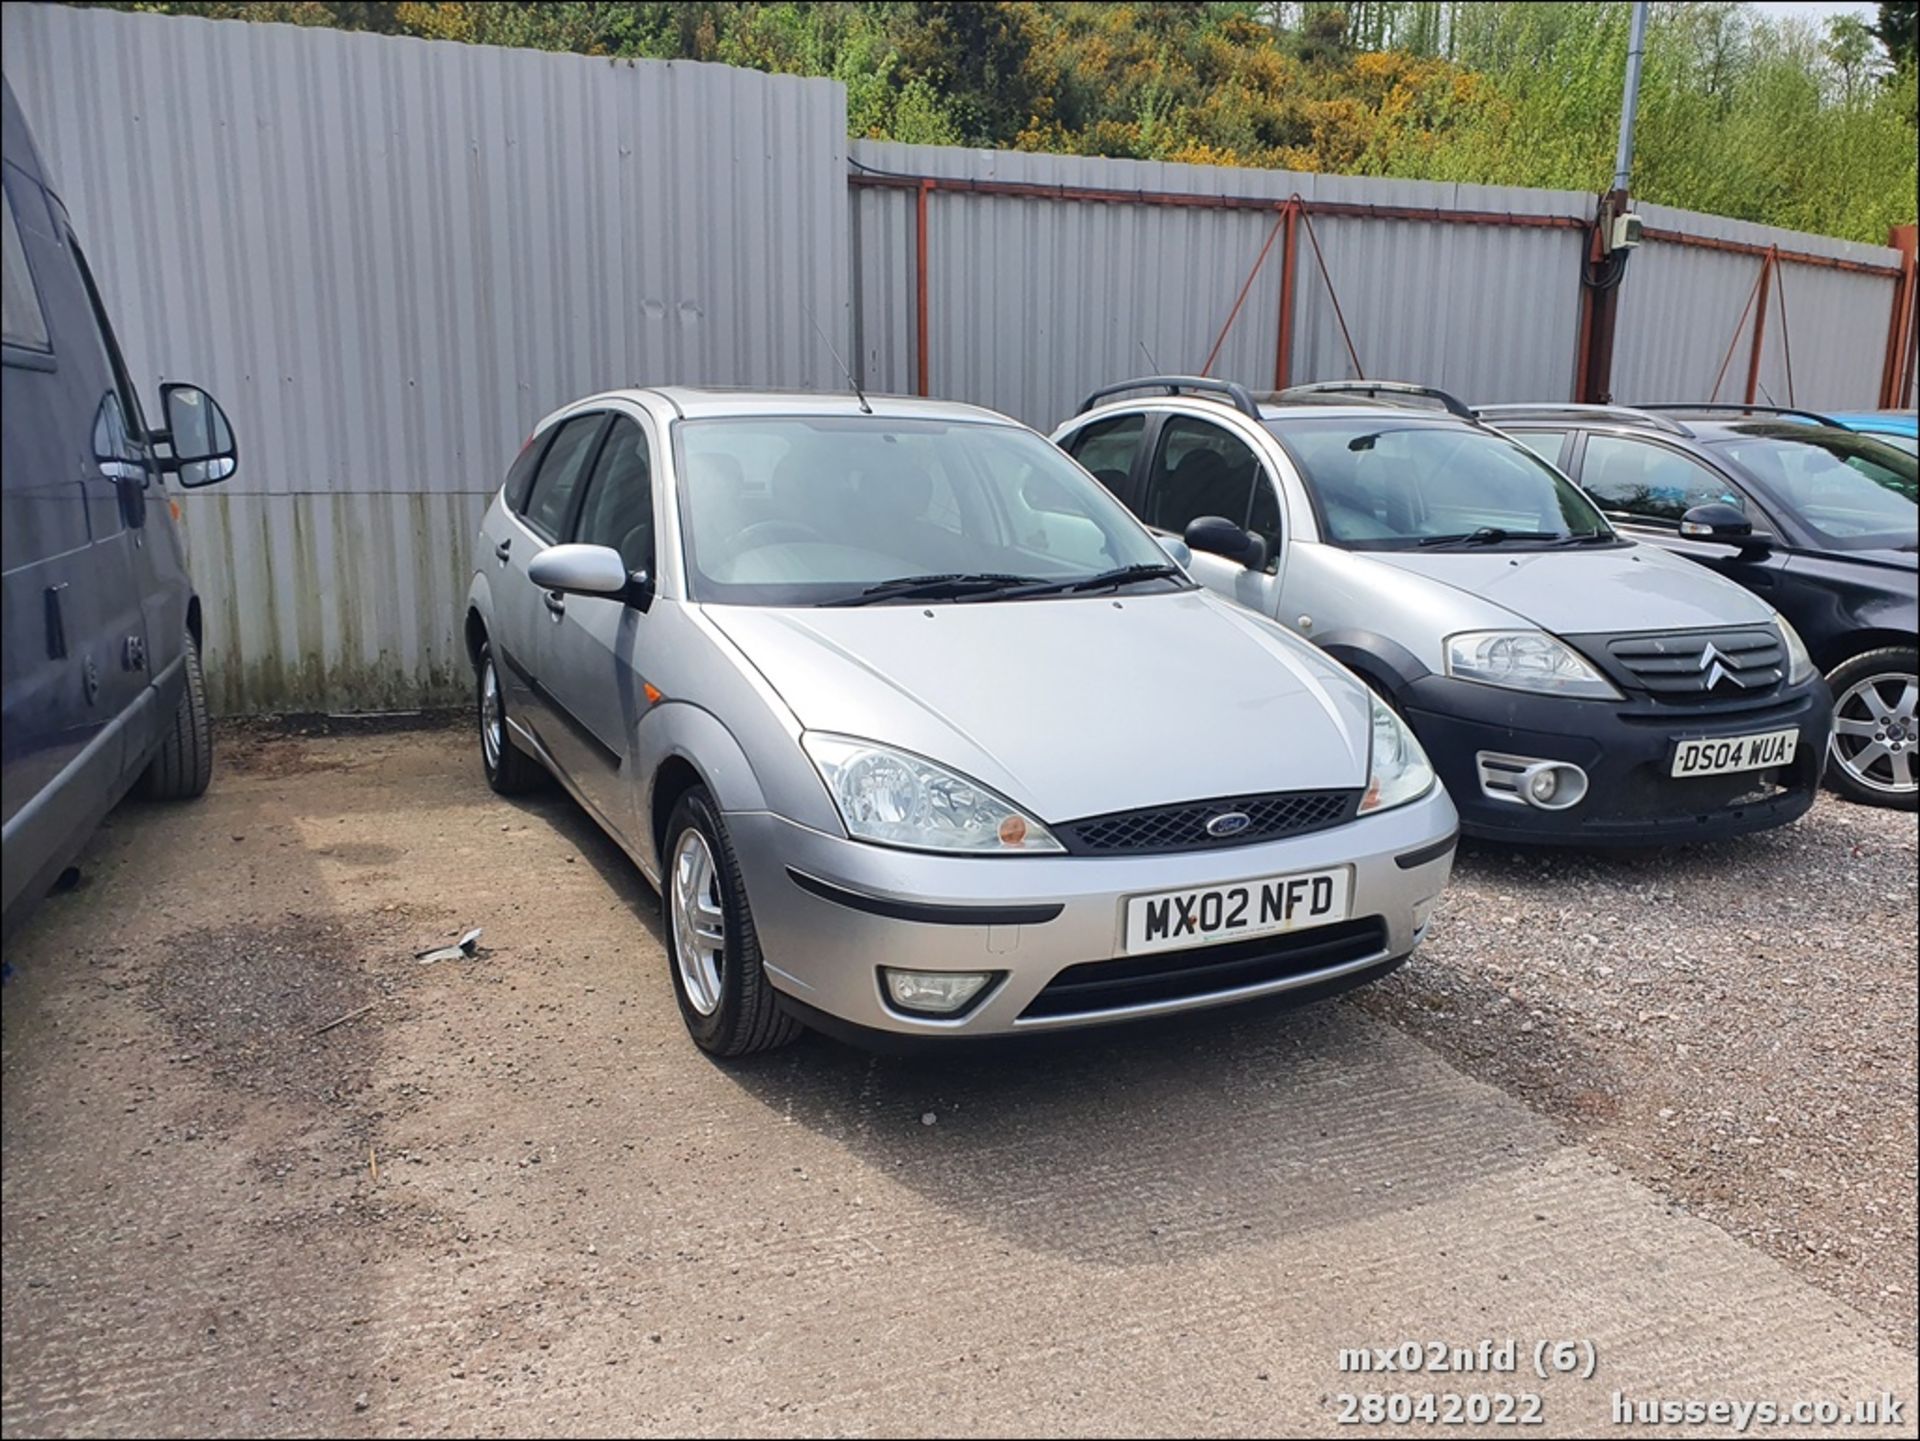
(1589, 537)
(934, 587)
(1121, 575)
(1488, 535)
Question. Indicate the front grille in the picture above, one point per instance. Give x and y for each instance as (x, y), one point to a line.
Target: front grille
(1206, 970)
(1158, 830)
(1694, 665)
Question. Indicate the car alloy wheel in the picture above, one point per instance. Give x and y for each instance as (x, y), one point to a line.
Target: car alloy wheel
(699, 921)
(491, 736)
(1875, 735)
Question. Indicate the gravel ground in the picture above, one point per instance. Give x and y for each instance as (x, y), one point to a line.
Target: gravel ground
(505, 1195)
(1733, 1025)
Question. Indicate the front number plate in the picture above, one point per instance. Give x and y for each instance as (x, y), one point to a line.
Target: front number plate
(1237, 912)
(1735, 753)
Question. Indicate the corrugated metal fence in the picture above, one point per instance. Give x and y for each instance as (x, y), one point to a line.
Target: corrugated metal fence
(389, 257)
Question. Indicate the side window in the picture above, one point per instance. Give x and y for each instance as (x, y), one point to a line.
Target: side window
(520, 473)
(1549, 445)
(22, 322)
(1106, 448)
(618, 510)
(1198, 470)
(1264, 519)
(561, 470)
(1650, 482)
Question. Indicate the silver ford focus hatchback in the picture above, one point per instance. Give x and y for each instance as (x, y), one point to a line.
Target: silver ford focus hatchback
(920, 734)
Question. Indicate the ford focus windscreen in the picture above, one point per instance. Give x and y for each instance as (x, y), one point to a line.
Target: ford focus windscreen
(835, 511)
(1380, 483)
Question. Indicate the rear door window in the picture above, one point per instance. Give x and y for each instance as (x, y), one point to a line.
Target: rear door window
(1650, 482)
(562, 469)
(520, 473)
(1198, 469)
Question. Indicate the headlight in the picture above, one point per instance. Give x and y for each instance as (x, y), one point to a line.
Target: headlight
(898, 799)
(1400, 771)
(1525, 660)
(1799, 663)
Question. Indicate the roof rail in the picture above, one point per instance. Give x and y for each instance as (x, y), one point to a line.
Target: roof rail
(1453, 405)
(1173, 385)
(1549, 410)
(1729, 405)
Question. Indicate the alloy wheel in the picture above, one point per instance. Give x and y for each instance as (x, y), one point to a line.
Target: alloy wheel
(699, 922)
(1875, 736)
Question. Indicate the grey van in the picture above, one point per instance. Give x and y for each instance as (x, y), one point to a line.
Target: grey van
(102, 687)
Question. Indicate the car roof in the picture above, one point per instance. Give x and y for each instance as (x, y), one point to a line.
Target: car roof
(697, 402)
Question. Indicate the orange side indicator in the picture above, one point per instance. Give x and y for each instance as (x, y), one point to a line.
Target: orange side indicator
(174, 506)
(652, 692)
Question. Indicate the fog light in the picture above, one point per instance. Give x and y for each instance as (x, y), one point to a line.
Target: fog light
(1543, 785)
(937, 993)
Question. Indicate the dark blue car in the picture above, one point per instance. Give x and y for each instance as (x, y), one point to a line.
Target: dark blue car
(1814, 516)
(102, 688)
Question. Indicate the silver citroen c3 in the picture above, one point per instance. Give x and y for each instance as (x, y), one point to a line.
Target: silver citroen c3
(920, 734)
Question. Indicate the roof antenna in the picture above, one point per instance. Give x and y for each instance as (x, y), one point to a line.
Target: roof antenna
(858, 393)
(1149, 355)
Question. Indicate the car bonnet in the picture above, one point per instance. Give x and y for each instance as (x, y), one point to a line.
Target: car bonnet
(1071, 707)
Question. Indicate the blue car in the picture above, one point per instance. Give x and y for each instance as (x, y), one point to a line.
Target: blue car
(1899, 428)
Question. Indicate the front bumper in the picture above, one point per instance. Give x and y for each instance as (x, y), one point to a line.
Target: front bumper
(1626, 750)
(830, 912)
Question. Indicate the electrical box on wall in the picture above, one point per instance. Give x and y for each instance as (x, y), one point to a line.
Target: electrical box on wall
(1625, 231)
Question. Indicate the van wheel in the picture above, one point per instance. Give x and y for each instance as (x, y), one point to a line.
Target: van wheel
(509, 770)
(1876, 737)
(183, 765)
(712, 949)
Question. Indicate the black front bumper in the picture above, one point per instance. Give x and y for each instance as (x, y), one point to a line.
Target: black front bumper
(1626, 749)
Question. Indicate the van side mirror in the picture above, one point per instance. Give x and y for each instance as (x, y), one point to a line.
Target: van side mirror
(198, 435)
(1718, 523)
(1217, 535)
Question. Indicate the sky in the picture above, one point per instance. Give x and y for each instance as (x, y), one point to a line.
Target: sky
(1816, 11)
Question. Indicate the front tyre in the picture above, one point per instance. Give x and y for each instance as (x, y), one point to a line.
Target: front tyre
(510, 771)
(1876, 739)
(712, 949)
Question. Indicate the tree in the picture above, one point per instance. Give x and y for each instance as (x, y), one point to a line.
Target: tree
(1899, 21)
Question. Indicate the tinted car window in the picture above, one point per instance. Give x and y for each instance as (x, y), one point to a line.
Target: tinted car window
(1383, 482)
(1651, 482)
(1107, 447)
(23, 322)
(1853, 489)
(1198, 469)
(561, 469)
(618, 510)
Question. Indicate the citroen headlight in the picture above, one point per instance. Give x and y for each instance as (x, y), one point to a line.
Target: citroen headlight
(1800, 665)
(1526, 660)
(897, 799)
(1400, 771)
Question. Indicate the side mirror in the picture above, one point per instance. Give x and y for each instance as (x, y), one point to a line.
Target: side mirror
(1044, 492)
(1177, 551)
(1217, 535)
(201, 440)
(587, 570)
(1720, 524)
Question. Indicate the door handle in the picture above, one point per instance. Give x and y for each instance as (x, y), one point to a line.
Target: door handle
(500, 550)
(556, 604)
